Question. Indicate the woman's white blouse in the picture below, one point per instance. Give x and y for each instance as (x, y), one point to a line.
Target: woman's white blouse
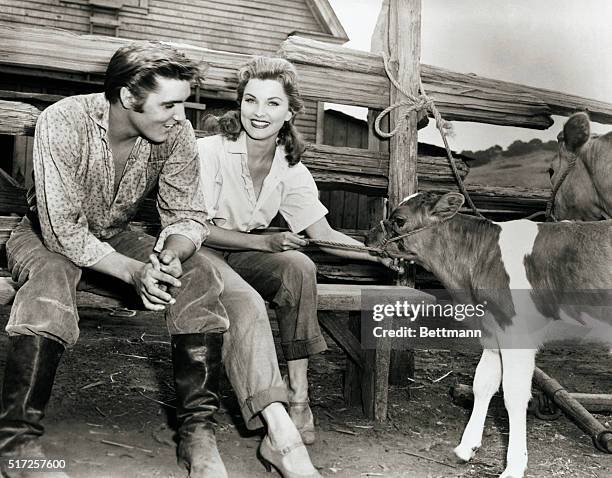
(230, 196)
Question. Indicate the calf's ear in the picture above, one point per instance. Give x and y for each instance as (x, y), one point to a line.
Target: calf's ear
(576, 131)
(447, 206)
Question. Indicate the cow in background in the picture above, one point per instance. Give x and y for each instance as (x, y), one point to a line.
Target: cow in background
(585, 194)
(521, 270)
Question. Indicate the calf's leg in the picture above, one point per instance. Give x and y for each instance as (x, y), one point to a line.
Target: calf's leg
(486, 383)
(518, 366)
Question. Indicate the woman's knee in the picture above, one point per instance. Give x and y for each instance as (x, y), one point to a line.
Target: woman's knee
(299, 265)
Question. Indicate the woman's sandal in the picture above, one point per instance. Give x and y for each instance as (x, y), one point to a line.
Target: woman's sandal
(273, 457)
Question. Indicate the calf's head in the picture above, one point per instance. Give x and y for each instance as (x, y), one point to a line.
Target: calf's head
(576, 170)
(399, 234)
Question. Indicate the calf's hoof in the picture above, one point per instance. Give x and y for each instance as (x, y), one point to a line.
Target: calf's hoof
(465, 453)
(508, 473)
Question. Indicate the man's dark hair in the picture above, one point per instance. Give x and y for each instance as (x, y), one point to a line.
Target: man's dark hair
(137, 66)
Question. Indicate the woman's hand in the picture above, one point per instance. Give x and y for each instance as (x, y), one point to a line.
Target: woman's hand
(284, 241)
(393, 264)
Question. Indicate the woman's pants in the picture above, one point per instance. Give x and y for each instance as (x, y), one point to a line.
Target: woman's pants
(288, 281)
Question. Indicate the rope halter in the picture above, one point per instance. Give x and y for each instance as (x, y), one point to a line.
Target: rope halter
(571, 162)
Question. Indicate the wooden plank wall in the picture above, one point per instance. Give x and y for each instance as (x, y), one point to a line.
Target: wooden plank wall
(22, 160)
(348, 210)
(306, 122)
(253, 27)
(17, 160)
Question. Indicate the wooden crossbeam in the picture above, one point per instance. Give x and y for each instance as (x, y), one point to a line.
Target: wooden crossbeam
(357, 78)
(370, 169)
(58, 50)
(17, 118)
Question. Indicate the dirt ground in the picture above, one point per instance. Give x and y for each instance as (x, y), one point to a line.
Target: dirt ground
(111, 416)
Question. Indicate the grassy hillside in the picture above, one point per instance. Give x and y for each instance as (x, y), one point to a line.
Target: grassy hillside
(528, 170)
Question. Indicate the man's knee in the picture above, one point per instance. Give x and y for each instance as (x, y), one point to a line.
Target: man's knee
(198, 307)
(51, 270)
(58, 264)
(244, 303)
(57, 269)
(199, 272)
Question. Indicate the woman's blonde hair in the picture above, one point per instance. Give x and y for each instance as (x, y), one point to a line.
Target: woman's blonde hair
(267, 68)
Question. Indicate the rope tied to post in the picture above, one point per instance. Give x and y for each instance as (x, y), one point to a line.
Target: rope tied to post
(419, 103)
(414, 103)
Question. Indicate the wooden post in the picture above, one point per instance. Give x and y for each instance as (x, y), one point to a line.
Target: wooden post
(405, 53)
(353, 373)
(398, 32)
(404, 50)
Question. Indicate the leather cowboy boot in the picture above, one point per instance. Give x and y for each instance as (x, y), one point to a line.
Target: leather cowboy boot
(197, 364)
(31, 364)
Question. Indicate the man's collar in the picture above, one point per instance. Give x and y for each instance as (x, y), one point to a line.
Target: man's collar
(99, 110)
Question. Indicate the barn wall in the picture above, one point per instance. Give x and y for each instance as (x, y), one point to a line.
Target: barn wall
(306, 121)
(252, 27)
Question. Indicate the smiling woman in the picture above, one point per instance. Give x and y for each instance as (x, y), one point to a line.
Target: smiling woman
(264, 109)
(250, 173)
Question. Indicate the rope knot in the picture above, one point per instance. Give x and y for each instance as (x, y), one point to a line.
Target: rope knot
(419, 103)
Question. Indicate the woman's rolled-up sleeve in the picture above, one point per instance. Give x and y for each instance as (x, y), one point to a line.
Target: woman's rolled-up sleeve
(300, 205)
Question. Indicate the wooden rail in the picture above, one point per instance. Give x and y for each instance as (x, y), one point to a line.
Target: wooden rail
(17, 118)
(53, 50)
(343, 75)
(509, 200)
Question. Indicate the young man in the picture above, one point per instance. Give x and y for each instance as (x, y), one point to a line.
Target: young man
(96, 157)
